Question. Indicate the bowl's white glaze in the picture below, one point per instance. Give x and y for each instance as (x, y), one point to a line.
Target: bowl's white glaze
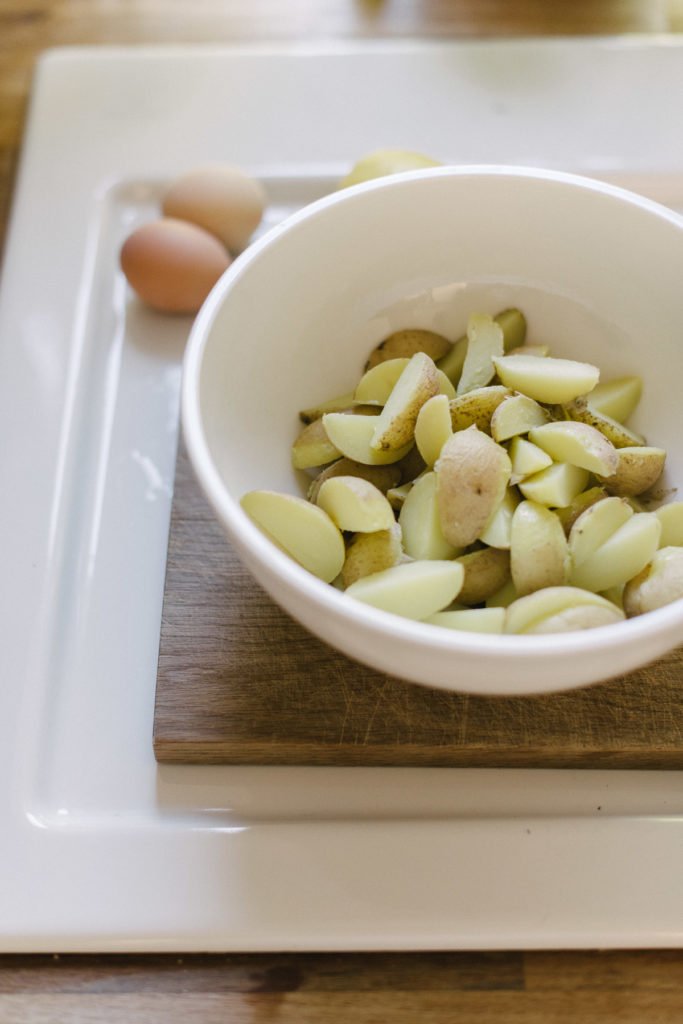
(596, 270)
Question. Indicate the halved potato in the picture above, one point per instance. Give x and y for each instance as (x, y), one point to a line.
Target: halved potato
(404, 344)
(526, 459)
(560, 609)
(571, 512)
(546, 379)
(433, 428)
(516, 415)
(578, 444)
(368, 553)
(658, 584)
(377, 383)
(420, 524)
(622, 556)
(383, 477)
(395, 426)
(498, 529)
(313, 447)
(472, 475)
(301, 529)
(470, 620)
(477, 407)
(331, 405)
(484, 341)
(351, 436)
(414, 590)
(617, 398)
(637, 470)
(538, 550)
(671, 519)
(595, 526)
(555, 486)
(355, 505)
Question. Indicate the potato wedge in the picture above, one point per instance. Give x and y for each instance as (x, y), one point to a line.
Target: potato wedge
(526, 459)
(355, 505)
(472, 475)
(477, 407)
(671, 519)
(571, 512)
(620, 436)
(529, 350)
(595, 526)
(301, 529)
(433, 428)
(539, 556)
(658, 584)
(470, 620)
(546, 379)
(383, 477)
(395, 426)
(621, 557)
(486, 571)
(368, 553)
(555, 486)
(396, 496)
(503, 597)
(617, 398)
(578, 444)
(484, 342)
(513, 324)
(338, 404)
(313, 447)
(377, 383)
(351, 436)
(516, 415)
(404, 344)
(498, 529)
(637, 470)
(560, 609)
(420, 524)
(414, 590)
(452, 363)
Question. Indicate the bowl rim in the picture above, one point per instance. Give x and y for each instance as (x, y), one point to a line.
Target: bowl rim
(254, 544)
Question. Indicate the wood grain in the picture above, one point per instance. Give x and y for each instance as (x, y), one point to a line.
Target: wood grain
(470, 988)
(240, 682)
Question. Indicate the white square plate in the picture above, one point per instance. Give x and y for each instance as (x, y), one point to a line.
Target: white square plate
(100, 849)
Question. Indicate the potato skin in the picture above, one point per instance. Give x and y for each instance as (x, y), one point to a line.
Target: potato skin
(472, 476)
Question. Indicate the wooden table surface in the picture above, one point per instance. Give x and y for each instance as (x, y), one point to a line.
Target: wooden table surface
(639, 986)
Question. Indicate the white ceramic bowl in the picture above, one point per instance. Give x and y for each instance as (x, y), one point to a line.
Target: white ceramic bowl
(598, 272)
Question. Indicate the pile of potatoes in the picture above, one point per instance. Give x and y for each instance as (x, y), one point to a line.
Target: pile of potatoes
(482, 485)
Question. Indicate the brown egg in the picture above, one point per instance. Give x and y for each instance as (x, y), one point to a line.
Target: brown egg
(220, 198)
(171, 265)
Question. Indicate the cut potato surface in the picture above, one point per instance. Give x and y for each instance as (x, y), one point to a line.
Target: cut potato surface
(498, 532)
(617, 398)
(578, 444)
(383, 477)
(395, 426)
(621, 557)
(484, 342)
(526, 459)
(571, 512)
(471, 620)
(617, 433)
(516, 415)
(420, 523)
(355, 505)
(301, 529)
(559, 609)
(555, 486)
(476, 408)
(331, 405)
(595, 526)
(472, 476)
(414, 590)
(433, 428)
(313, 447)
(671, 520)
(351, 435)
(546, 379)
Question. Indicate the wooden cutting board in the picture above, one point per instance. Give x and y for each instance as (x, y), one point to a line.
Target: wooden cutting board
(240, 683)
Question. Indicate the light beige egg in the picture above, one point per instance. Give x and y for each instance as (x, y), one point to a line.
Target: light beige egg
(222, 199)
(172, 265)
